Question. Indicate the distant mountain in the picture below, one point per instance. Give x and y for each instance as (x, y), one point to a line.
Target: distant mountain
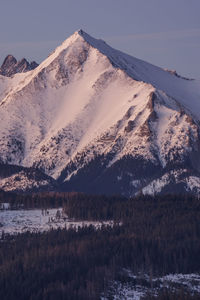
(98, 120)
(11, 66)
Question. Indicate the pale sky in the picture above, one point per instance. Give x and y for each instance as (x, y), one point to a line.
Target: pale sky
(163, 32)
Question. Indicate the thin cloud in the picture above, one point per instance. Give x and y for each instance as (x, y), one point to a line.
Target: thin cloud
(169, 35)
(15, 46)
(28, 44)
(34, 50)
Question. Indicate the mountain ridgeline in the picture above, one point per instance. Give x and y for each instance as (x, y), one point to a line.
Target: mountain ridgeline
(11, 66)
(92, 119)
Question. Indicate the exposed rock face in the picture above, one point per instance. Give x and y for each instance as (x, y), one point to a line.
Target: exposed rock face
(11, 66)
(20, 179)
(98, 120)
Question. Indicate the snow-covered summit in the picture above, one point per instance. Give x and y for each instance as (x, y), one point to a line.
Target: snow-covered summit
(89, 109)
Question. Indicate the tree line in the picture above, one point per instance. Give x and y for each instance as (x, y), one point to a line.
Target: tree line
(157, 236)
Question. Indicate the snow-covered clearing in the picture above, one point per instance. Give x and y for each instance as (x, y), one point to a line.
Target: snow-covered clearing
(140, 285)
(39, 220)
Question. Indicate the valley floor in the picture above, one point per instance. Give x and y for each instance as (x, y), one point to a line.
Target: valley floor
(39, 220)
(144, 248)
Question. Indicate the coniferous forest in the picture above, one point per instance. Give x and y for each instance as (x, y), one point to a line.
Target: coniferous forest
(151, 235)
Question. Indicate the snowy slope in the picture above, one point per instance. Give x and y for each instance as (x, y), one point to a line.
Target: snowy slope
(7, 84)
(89, 109)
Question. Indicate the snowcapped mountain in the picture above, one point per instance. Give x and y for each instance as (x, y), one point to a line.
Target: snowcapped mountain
(98, 120)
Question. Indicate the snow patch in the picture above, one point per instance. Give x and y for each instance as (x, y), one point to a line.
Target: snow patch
(40, 220)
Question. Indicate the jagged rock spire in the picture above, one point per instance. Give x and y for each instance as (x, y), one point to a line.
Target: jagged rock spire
(11, 66)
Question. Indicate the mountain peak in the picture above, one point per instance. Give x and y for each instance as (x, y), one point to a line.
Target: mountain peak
(96, 43)
(9, 61)
(99, 120)
(81, 31)
(9, 58)
(11, 66)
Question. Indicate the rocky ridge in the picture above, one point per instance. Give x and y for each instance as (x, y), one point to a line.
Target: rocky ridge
(98, 120)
